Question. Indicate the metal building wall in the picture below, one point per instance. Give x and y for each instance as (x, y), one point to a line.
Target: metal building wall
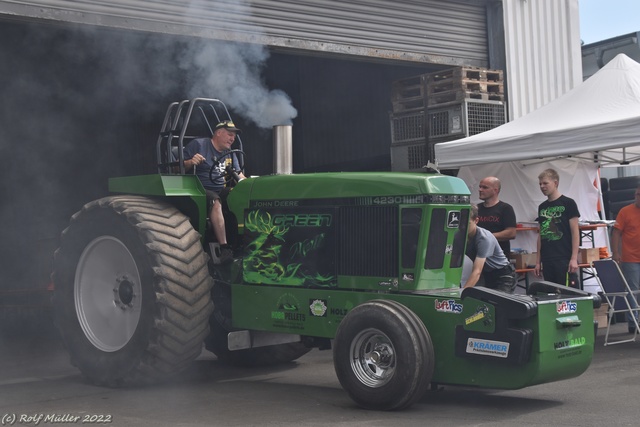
(596, 55)
(432, 31)
(542, 44)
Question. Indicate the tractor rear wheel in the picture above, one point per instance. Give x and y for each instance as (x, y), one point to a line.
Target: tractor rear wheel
(220, 325)
(383, 355)
(132, 290)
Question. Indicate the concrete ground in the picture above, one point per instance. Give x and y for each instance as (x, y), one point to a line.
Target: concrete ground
(36, 380)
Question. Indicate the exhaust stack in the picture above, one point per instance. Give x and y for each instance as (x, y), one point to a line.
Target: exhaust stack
(282, 150)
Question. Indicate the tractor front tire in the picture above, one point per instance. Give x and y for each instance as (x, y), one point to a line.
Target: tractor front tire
(383, 355)
(132, 291)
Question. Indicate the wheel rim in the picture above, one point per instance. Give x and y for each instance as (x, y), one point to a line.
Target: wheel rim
(373, 358)
(107, 293)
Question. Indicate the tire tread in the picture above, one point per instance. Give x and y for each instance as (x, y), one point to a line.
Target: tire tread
(181, 285)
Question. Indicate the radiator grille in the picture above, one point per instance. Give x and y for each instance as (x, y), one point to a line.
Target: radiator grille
(368, 241)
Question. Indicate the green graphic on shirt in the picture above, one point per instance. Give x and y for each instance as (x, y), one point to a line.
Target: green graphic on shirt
(549, 226)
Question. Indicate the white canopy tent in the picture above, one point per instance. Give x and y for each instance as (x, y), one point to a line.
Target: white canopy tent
(595, 124)
(597, 120)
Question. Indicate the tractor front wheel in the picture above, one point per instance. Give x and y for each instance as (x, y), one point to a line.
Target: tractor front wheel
(383, 355)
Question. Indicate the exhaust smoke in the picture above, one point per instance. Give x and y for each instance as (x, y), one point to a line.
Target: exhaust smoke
(231, 71)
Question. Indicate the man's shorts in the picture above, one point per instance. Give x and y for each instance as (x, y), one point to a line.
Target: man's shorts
(221, 195)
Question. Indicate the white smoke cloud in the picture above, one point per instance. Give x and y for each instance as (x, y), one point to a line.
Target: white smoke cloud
(231, 71)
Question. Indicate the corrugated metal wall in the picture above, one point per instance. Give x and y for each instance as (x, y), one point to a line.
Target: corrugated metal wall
(542, 44)
(434, 31)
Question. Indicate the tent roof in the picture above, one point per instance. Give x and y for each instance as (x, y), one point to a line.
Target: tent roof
(601, 116)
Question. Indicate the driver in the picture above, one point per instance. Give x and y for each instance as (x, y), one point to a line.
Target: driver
(200, 153)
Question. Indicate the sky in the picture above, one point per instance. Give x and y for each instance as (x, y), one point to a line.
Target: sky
(604, 19)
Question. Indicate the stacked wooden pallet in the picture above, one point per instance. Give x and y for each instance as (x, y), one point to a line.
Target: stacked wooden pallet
(452, 85)
(458, 84)
(409, 94)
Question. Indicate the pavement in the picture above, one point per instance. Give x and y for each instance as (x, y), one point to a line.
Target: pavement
(36, 378)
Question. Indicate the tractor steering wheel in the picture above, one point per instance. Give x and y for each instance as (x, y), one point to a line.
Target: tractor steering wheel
(230, 176)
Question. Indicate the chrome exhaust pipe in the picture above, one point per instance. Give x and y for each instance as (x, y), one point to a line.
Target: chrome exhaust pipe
(282, 150)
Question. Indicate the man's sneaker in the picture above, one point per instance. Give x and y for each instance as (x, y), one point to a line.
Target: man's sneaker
(226, 255)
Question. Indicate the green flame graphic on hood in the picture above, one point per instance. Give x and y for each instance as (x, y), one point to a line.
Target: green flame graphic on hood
(265, 259)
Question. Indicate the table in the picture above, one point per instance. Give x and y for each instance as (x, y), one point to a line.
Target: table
(586, 233)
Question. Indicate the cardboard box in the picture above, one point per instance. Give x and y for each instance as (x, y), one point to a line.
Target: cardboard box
(600, 315)
(587, 255)
(522, 261)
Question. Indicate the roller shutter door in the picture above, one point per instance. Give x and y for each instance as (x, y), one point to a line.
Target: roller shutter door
(432, 31)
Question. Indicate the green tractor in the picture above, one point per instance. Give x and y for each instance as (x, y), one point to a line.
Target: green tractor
(368, 264)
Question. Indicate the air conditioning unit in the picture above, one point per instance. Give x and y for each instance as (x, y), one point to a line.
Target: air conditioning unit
(463, 119)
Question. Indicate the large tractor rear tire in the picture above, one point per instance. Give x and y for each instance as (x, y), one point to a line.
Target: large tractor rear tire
(220, 324)
(133, 292)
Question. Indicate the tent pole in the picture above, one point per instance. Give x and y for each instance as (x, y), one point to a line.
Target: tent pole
(604, 212)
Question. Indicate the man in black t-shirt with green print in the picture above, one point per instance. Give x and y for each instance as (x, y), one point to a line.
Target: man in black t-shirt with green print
(559, 237)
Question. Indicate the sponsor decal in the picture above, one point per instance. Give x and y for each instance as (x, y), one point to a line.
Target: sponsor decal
(288, 302)
(566, 307)
(448, 306)
(453, 219)
(338, 311)
(287, 309)
(279, 315)
(407, 277)
(318, 307)
(448, 249)
(488, 347)
(572, 342)
(480, 313)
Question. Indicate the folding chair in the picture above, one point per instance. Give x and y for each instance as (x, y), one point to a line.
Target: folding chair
(617, 293)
